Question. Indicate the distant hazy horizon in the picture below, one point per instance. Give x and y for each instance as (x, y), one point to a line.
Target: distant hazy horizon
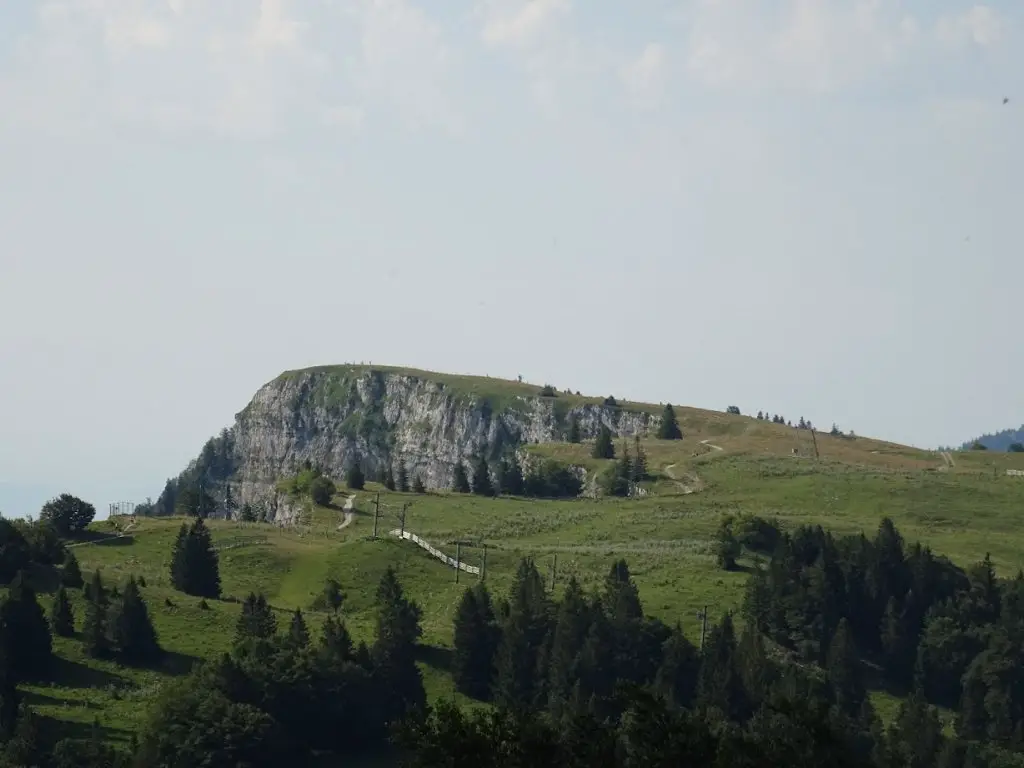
(805, 207)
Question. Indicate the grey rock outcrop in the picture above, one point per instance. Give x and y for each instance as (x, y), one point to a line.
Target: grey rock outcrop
(334, 417)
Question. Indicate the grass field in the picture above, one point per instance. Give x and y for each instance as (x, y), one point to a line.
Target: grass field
(725, 465)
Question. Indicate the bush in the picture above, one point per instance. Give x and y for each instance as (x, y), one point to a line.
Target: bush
(355, 479)
(733, 409)
(611, 402)
(548, 391)
(1016, 448)
(757, 534)
(321, 490)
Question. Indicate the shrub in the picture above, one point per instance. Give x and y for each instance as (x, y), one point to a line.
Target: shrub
(548, 391)
(321, 490)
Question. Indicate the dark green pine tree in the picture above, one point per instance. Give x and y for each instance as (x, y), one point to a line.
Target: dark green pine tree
(668, 429)
(574, 429)
(676, 679)
(571, 627)
(71, 573)
(915, 737)
(621, 598)
(639, 461)
(522, 638)
(195, 567)
(27, 744)
(25, 632)
(402, 482)
(298, 633)
(510, 477)
(94, 625)
(256, 621)
(719, 682)
(475, 643)
(604, 448)
(335, 640)
(62, 617)
(389, 479)
(417, 485)
(9, 698)
(973, 719)
(131, 630)
(897, 644)
(845, 675)
(482, 485)
(460, 482)
(394, 650)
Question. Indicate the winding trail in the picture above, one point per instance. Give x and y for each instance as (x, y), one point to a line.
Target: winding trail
(686, 489)
(348, 514)
(947, 457)
(709, 445)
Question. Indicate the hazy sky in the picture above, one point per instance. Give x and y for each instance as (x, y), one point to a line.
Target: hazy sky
(810, 207)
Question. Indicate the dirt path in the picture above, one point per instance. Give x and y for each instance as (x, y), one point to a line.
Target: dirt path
(709, 445)
(348, 514)
(687, 489)
(947, 458)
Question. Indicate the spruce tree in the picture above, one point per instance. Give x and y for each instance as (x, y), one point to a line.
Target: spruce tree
(62, 617)
(333, 597)
(389, 479)
(248, 514)
(194, 564)
(9, 697)
(354, 478)
(27, 744)
(298, 633)
(604, 448)
(402, 482)
(574, 429)
(719, 682)
(571, 627)
(417, 485)
(71, 573)
(475, 643)
(522, 637)
(131, 630)
(335, 640)
(394, 650)
(256, 621)
(676, 679)
(844, 671)
(668, 429)
(94, 625)
(639, 461)
(460, 482)
(510, 478)
(25, 632)
(482, 478)
(915, 737)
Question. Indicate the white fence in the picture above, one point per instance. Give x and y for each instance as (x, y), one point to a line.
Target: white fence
(450, 561)
(1015, 472)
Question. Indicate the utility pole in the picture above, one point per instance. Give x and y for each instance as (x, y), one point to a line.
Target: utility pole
(815, 443)
(376, 514)
(703, 616)
(483, 569)
(554, 572)
(405, 506)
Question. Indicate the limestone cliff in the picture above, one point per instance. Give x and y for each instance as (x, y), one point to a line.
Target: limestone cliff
(381, 417)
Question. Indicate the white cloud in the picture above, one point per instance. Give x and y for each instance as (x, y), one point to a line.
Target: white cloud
(519, 22)
(644, 76)
(346, 116)
(273, 28)
(980, 25)
(817, 45)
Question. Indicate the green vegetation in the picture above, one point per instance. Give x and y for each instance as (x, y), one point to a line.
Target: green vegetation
(68, 514)
(703, 513)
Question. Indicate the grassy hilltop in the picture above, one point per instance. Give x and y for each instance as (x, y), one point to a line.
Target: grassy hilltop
(963, 505)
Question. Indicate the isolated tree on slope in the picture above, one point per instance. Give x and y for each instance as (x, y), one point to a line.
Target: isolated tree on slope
(194, 563)
(24, 631)
(355, 479)
(71, 573)
(62, 617)
(460, 483)
(394, 647)
(482, 485)
(131, 629)
(604, 448)
(68, 513)
(574, 429)
(669, 427)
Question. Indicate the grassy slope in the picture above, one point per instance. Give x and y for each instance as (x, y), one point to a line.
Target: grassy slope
(963, 511)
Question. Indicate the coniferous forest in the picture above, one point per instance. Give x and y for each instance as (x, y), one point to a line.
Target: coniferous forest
(573, 679)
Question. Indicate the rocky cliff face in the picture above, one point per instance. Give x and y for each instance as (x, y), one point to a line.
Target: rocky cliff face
(334, 417)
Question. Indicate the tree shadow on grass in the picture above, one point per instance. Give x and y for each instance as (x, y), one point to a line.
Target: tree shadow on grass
(71, 674)
(54, 729)
(36, 699)
(435, 656)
